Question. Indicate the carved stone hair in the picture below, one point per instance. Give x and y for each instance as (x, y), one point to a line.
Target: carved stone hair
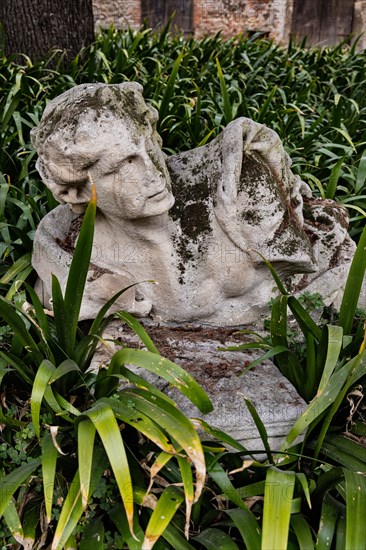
(61, 116)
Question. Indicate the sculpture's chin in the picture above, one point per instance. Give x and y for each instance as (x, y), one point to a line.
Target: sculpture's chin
(160, 204)
(79, 208)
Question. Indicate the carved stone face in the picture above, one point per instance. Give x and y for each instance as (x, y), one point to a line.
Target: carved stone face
(126, 163)
(121, 151)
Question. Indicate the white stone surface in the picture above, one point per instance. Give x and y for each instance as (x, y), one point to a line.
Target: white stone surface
(219, 373)
(194, 222)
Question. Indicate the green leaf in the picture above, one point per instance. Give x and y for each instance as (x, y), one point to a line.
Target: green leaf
(219, 476)
(273, 352)
(72, 508)
(302, 531)
(353, 285)
(61, 317)
(228, 112)
(23, 371)
(106, 425)
(328, 519)
(49, 459)
(138, 330)
(86, 436)
(71, 543)
(14, 318)
(93, 535)
(361, 173)
(165, 509)
(12, 520)
(261, 428)
(66, 366)
(303, 318)
(138, 381)
(10, 483)
(278, 496)
(41, 317)
(355, 509)
(343, 131)
(169, 90)
(187, 478)
(220, 435)
(248, 527)
(175, 539)
(31, 519)
(335, 341)
(168, 370)
(266, 104)
(118, 516)
(319, 404)
(78, 270)
(214, 539)
(333, 179)
(44, 373)
(17, 267)
(176, 425)
(141, 422)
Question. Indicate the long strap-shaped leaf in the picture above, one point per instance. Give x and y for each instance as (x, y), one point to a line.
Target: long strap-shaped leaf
(249, 529)
(142, 423)
(79, 269)
(356, 509)
(187, 478)
(176, 425)
(10, 483)
(104, 420)
(335, 339)
(44, 373)
(168, 370)
(118, 516)
(213, 538)
(278, 495)
(49, 459)
(320, 403)
(72, 508)
(353, 285)
(86, 437)
(166, 507)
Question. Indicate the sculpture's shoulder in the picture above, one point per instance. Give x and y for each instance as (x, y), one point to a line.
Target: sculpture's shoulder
(56, 224)
(55, 239)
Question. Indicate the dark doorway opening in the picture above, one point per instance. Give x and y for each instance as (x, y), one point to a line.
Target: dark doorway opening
(158, 12)
(324, 22)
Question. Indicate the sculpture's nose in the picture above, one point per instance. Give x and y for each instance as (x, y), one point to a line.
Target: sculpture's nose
(73, 195)
(153, 173)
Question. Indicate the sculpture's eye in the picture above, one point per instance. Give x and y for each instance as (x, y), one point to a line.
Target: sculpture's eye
(130, 159)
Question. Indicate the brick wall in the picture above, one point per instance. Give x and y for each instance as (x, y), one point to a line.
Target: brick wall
(228, 16)
(234, 16)
(210, 16)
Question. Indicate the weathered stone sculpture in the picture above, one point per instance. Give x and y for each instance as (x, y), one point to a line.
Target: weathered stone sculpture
(194, 222)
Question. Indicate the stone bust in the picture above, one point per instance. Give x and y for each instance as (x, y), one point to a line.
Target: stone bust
(192, 221)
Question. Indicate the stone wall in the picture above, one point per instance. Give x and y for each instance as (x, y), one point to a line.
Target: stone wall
(121, 13)
(359, 22)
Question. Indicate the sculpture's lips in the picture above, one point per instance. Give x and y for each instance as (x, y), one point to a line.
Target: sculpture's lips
(159, 194)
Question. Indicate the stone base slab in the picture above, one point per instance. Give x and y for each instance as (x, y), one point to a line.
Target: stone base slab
(219, 373)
